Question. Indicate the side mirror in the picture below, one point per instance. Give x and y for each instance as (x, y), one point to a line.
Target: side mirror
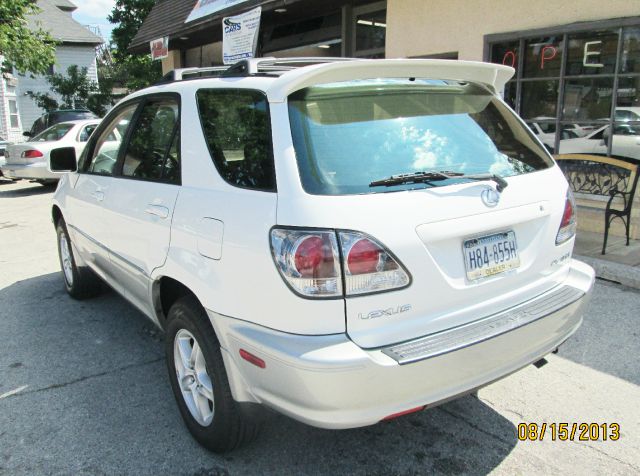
(63, 160)
(26, 134)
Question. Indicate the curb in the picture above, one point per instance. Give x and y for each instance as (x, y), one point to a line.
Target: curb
(621, 273)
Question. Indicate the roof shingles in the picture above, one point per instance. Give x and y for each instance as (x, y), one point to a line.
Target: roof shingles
(166, 18)
(60, 25)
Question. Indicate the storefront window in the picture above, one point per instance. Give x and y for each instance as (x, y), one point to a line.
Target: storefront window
(539, 99)
(510, 91)
(506, 53)
(587, 99)
(369, 30)
(592, 53)
(579, 83)
(630, 57)
(543, 57)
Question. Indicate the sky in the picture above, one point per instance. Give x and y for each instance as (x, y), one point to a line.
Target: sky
(95, 12)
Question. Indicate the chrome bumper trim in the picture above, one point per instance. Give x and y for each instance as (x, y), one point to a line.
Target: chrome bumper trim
(483, 329)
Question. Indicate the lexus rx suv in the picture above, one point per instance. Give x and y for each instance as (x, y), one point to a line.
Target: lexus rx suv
(342, 241)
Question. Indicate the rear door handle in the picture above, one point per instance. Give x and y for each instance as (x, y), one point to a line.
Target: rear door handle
(157, 210)
(98, 195)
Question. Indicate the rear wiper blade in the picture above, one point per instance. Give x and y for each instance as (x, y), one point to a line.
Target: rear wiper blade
(421, 177)
(417, 177)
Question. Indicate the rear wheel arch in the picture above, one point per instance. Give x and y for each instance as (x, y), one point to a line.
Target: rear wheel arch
(165, 292)
(56, 214)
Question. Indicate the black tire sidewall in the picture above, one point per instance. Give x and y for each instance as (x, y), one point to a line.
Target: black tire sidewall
(184, 314)
(61, 229)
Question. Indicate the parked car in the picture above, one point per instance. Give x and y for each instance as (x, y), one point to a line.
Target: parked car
(30, 160)
(3, 146)
(54, 117)
(626, 142)
(627, 114)
(546, 125)
(344, 242)
(549, 138)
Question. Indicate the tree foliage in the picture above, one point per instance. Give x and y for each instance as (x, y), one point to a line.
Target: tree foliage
(76, 90)
(21, 48)
(133, 71)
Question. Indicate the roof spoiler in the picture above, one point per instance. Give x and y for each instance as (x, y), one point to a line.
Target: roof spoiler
(494, 76)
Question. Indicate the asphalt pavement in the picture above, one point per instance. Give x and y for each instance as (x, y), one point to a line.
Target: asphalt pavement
(84, 390)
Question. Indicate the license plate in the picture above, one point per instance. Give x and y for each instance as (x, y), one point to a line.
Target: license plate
(490, 255)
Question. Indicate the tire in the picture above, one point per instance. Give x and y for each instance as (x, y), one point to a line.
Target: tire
(81, 283)
(199, 382)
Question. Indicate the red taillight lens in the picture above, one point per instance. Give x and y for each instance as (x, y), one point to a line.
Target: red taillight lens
(364, 257)
(567, 216)
(308, 260)
(369, 267)
(568, 223)
(31, 154)
(309, 254)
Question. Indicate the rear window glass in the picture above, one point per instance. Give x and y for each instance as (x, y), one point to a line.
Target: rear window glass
(236, 127)
(349, 134)
(70, 116)
(54, 133)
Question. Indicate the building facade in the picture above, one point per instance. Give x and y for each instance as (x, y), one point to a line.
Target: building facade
(77, 46)
(577, 63)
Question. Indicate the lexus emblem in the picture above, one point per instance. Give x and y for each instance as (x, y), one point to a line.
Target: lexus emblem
(490, 197)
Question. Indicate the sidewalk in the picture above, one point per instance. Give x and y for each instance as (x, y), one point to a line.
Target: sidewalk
(620, 264)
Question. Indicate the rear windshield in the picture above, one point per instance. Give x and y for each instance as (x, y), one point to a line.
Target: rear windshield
(54, 133)
(349, 134)
(70, 116)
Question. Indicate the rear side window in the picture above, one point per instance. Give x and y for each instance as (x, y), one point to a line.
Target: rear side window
(70, 116)
(349, 135)
(153, 151)
(54, 133)
(236, 128)
(86, 132)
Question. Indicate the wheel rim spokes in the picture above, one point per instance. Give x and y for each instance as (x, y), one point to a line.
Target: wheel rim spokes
(65, 256)
(194, 380)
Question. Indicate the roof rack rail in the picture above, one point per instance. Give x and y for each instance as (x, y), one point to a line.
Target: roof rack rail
(248, 67)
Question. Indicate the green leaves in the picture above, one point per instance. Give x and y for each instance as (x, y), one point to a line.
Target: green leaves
(132, 71)
(21, 48)
(77, 90)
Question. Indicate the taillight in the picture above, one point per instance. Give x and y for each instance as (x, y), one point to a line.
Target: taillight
(31, 154)
(568, 223)
(308, 261)
(369, 266)
(311, 263)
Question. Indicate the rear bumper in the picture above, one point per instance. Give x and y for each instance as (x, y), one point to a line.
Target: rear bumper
(329, 382)
(37, 171)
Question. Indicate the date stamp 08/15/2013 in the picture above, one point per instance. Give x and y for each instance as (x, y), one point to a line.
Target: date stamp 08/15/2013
(569, 431)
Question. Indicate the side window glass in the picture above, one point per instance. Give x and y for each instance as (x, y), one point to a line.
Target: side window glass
(236, 127)
(86, 132)
(153, 152)
(105, 152)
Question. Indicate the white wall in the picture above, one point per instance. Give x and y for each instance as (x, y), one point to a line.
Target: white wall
(66, 55)
(424, 27)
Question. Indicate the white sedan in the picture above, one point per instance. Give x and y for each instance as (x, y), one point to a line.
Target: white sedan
(30, 160)
(626, 142)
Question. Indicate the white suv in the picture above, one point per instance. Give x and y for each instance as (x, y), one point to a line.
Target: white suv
(343, 241)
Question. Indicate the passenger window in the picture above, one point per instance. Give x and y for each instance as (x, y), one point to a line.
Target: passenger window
(86, 132)
(153, 151)
(105, 152)
(236, 127)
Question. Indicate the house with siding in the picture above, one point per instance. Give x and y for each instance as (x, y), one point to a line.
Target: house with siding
(77, 45)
